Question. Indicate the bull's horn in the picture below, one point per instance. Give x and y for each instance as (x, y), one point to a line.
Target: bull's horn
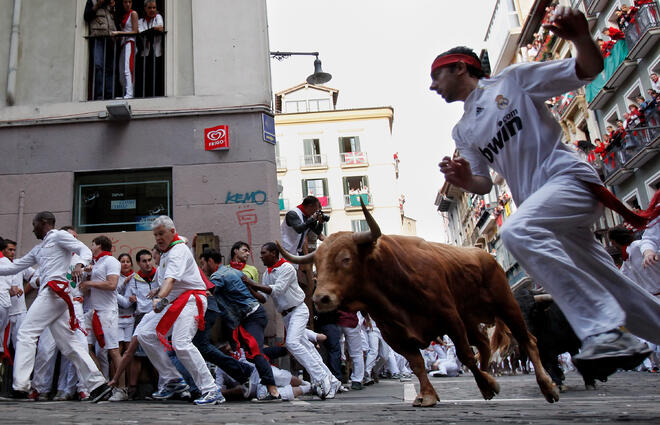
(374, 231)
(296, 259)
(542, 298)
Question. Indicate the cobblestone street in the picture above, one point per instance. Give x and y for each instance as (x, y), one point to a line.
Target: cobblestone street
(631, 397)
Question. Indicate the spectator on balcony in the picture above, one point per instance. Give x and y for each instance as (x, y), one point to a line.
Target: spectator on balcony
(99, 15)
(637, 118)
(605, 47)
(150, 66)
(655, 81)
(129, 28)
(532, 51)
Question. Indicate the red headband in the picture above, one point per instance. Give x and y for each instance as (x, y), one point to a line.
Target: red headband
(453, 58)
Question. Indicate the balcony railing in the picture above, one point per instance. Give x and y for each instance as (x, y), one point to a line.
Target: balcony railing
(313, 161)
(281, 163)
(105, 77)
(593, 6)
(630, 152)
(353, 159)
(643, 33)
(353, 200)
(617, 57)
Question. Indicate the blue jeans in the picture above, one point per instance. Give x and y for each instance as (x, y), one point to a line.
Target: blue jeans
(105, 56)
(333, 347)
(239, 371)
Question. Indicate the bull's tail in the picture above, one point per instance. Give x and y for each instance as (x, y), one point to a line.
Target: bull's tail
(501, 338)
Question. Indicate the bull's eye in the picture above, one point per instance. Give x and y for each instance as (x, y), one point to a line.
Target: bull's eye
(346, 261)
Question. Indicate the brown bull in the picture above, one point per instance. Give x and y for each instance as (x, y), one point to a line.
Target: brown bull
(416, 291)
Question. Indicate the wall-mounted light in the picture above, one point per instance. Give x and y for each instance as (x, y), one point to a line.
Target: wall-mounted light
(318, 77)
(119, 110)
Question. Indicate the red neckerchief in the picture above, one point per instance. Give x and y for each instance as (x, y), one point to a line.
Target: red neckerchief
(97, 328)
(129, 274)
(237, 265)
(1, 255)
(147, 277)
(96, 258)
(276, 265)
(300, 207)
(125, 18)
(624, 253)
(167, 321)
(177, 240)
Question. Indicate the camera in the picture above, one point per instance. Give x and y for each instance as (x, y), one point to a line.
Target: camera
(324, 217)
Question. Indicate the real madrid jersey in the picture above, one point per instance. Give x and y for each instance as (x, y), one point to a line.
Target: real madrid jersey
(507, 126)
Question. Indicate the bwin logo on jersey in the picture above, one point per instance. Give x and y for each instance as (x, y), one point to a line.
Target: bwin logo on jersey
(508, 127)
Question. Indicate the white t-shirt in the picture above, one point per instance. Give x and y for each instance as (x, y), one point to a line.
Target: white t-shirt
(283, 280)
(144, 25)
(507, 127)
(103, 299)
(179, 264)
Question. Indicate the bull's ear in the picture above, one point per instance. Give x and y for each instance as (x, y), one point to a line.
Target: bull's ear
(374, 231)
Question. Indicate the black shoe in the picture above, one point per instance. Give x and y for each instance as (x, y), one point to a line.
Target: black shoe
(100, 393)
(19, 395)
(355, 385)
(268, 399)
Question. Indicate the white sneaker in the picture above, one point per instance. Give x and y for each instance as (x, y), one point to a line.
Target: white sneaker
(118, 394)
(334, 387)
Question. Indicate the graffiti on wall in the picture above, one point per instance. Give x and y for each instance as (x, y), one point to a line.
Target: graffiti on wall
(257, 197)
(247, 217)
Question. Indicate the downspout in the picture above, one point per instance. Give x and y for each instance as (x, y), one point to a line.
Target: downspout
(21, 210)
(13, 53)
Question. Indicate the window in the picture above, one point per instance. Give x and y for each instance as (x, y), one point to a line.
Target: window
(632, 200)
(350, 152)
(319, 105)
(312, 149)
(105, 79)
(117, 201)
(296, 106)
(318, 188)
(359, 225)
(355, 188)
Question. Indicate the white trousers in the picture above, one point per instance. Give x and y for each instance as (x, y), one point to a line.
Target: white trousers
(183, 331)
(16, 321)
(48, 311)
(353, 338)
(126, 72)
(550, 237)
(299, 345)
(376, 349)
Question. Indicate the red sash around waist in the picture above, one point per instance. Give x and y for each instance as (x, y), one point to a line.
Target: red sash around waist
(59, 287)
(167, 321)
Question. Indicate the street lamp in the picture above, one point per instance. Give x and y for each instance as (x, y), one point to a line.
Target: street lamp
(318, 77)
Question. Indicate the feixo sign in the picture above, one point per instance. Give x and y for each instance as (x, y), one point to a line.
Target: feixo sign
(216, 138)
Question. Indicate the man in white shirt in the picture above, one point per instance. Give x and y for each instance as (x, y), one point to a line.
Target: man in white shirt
(281, 279)
(53, 307)
(179, 308)
(5, 304)
(102, 318)
(507, 127)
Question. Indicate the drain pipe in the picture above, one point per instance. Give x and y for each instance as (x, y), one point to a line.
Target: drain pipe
(21, 210)
(13, 53)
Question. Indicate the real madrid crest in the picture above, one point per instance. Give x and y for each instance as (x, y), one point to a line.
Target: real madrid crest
(501, 101)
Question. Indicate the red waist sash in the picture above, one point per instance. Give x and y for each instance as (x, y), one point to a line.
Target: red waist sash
(59, 287)
(167, 321)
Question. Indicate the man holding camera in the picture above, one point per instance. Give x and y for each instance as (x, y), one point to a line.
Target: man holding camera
(299, 221)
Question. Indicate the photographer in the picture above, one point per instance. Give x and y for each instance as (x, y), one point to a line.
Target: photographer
(299, 221)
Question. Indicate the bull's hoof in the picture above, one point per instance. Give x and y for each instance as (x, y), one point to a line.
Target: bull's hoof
(489, 387)
(563, 388)
(551, 394)
(428, 400)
